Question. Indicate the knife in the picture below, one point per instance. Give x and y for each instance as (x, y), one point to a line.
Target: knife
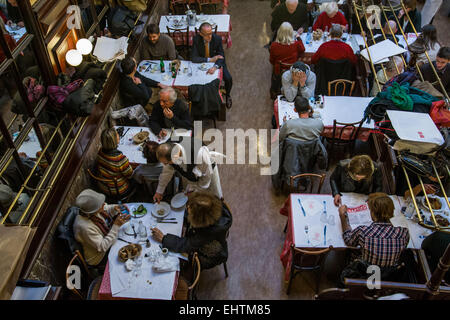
(325, 235)
(304, 213)
(124, 240)
(174, 222)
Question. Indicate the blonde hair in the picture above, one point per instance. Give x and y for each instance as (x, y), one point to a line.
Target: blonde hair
(381, 206)
(109, 139)
(285, 33)
(361, 165)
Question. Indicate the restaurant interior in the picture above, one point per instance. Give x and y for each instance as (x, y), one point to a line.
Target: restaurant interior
(290, 217)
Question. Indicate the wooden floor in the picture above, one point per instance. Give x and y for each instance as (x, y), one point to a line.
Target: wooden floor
(256, 237)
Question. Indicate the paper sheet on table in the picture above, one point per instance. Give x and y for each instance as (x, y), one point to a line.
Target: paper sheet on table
(423, 130)
(359, 215)
(382, 50)
(108, 49)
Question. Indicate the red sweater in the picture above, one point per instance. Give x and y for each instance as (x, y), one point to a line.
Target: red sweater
(285, 53)
(324, 21)
(334, 50)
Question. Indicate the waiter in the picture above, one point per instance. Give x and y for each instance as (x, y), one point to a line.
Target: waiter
(194, 162)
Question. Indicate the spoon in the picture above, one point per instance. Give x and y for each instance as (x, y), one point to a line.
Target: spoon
(135, 235)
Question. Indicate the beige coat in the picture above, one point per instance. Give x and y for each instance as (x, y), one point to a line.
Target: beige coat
(95, 245)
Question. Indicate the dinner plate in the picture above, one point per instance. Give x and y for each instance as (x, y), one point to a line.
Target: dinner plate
(312, 206)
(431, 196)
(179, 200)
(161, 206)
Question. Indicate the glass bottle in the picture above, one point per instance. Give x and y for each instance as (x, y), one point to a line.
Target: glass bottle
(142, 231)
(161, 65)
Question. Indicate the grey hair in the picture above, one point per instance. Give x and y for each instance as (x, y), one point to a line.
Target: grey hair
(285, 33)
(330, 8)
(394, 61)
(292, 1)
(172, 94)
(336, 31)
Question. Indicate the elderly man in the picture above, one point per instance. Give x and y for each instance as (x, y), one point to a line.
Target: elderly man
(157, 46)
(291, 11)
(97, 225)
(305, 128)
(169, 112)
(298, 81)
(335, 49)
(388, 28)
(442, 68)
(330, 16)
(194, 162)
(207, 47)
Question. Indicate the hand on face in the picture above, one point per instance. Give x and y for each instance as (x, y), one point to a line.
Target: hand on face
(168, 113)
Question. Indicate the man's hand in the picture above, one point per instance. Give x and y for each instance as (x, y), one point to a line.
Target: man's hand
(295, 78)
(215, 58)
(121, 219)
(211, 70)
(157, 197)
(337, 200)
(136, 80)
(168, 113)
(162, 133)
(117, 208)
(162, 86)
(343, 212)
(157, 234)
(302, 79)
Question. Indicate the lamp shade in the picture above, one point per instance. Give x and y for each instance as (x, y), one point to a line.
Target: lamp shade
(74, 57)
(84, 46)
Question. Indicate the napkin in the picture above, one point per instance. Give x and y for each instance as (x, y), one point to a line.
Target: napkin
(166, 264)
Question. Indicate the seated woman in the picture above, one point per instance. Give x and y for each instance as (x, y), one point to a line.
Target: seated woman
(284, 49)
(330, 16)
(427, 41)
(208, 222)
(358, 174)
(414, 15)
(381, 242)
(395, 63)
(134, 87)
(97, 226)
(112, 164)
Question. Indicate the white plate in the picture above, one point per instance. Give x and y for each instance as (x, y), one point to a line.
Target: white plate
(179, 200)
(312, 207)
(431, 196)
(162, 205)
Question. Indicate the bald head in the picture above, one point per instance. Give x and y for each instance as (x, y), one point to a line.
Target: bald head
(390, 25)
(164, 153)
(291, 5)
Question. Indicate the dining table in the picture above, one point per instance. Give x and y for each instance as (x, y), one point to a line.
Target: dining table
(144, 282)
(31, 144)
(314, 223)
(133, 151)
(340, 108)
(222, 21)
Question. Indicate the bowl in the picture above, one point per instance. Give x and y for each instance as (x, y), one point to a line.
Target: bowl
(433, 198)
(140, 137)
(161, 210)
(130, 251)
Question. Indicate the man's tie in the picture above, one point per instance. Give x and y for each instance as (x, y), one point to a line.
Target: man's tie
(207, 50)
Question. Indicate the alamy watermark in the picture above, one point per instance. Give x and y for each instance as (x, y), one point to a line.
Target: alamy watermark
(73, 277)
(374, 279)
(74, 20)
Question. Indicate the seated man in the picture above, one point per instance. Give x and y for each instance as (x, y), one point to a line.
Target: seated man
(291, 11)
(207, 47)
(97, 226)
(298, 81)
(157, 46)
(381, 242)
(329, 17)
(304, 128)
(442, 68)
(169, 112)
(335, 49)
(134, 87)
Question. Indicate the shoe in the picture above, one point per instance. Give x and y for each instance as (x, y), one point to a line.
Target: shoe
(229, 102)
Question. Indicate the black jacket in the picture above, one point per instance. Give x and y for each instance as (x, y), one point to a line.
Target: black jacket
(329, 70)
(298, 19)
(208, 240)
(133, 94)
(181, 117)
(341, 181)
(215, 49)
(205, 99)
(428, 75)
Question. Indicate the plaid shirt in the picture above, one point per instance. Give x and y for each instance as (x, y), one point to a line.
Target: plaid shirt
(381, 243)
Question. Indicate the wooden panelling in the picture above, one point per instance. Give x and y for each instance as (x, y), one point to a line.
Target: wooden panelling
(66, 42)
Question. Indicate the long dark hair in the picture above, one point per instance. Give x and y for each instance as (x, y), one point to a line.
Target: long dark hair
(429, 36)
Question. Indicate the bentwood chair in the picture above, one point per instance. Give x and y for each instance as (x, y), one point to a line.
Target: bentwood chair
(189, 279)
(346, 91)
(207, 6)
(113, 195)
(179, 7)
(183, 34)
(228, 233)
(84, 276)
(307, 260)
(348, 142)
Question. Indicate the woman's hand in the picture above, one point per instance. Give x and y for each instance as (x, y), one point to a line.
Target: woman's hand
(157, 234)
(337, 200)
(121, 219)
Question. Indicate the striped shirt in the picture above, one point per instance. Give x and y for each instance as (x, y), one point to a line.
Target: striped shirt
(381, 243)
(110, 165)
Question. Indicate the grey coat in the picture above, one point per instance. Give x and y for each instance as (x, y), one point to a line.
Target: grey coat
(290, 91)
(298, 157)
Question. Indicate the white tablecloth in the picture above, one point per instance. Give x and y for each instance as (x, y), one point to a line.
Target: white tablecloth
(134, 151)
(313, 205)
(222, 21)
(155, 74)
(31, 146)
(162, 284)
(343, 109)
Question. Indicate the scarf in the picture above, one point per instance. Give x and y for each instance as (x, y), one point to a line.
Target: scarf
(103, 224)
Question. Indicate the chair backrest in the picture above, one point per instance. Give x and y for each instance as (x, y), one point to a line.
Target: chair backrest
(309, 176)
(284, 66)
(196, 270)
(113, 192)
(308, 259)
(214, 30)
(179, 33)
(346, 91)
(65, 229)
(339, 128)
(78, 262)
(329, 70)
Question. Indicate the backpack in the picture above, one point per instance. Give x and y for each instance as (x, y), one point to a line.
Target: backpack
(58, 94)
(121, 21)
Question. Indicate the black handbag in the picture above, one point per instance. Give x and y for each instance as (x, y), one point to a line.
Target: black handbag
(415, 164)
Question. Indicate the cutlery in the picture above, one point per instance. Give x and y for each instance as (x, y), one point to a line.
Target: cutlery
(124, 240)
(301, 206)
(135, 234)
(174, 222)
(306, 231)
(167, 19)
(325, 235)
(324, 207)
(125, 132)
(166, 219)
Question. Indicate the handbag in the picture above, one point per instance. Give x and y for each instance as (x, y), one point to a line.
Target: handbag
(416, 165)
(440, 114)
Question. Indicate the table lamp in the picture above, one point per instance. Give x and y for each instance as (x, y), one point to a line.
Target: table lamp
(74, 57)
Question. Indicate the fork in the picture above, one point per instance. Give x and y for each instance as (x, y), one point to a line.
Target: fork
(306, 231)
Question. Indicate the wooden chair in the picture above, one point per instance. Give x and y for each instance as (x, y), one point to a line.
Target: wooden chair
(343, 83)
(284, 66)
(182, 33)
(228, 233)
(94, 288)
(85, 276)
(338, 140)
(113, 193)
(307, 260)
(179, 7)
(188, 282)
(206, 5)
